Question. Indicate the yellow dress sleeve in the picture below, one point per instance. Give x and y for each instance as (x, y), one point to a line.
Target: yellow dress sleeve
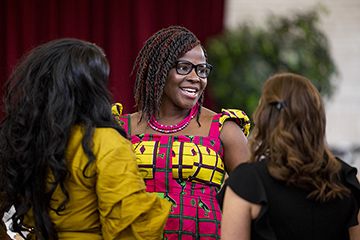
(126, 210)
(116, 110)
(238, 116)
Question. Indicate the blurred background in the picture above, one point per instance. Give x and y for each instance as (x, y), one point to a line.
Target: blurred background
(339, 21)
(247, 41)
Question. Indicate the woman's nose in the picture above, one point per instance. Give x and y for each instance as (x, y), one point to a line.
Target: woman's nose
(193, 76)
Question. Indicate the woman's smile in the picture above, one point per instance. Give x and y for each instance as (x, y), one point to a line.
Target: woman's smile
(190, 92)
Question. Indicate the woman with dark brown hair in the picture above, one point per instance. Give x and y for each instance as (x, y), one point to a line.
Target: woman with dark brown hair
(182, 148)
(293, 187)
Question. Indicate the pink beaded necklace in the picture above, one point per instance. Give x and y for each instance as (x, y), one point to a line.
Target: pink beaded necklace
(173, 128)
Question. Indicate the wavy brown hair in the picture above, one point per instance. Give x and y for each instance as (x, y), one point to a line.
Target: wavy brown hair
(289, 133)
(154, 62)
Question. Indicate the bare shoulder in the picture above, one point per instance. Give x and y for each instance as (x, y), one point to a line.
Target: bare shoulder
(207, 114)
(138, 125)
(206, 118)
(135, 116)
(235, 145)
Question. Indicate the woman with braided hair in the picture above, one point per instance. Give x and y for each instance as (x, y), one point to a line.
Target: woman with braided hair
(183, 149)
(293, 187)
(65, 164)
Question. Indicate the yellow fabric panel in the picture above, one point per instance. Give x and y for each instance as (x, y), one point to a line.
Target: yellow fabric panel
(191, 155)
(237, 115)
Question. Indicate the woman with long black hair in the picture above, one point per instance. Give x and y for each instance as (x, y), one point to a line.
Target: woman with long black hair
(64, 162)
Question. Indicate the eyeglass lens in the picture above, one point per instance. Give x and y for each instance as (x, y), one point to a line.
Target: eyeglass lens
(185, 67)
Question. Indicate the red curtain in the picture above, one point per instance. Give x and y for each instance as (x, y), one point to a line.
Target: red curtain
(120, 27)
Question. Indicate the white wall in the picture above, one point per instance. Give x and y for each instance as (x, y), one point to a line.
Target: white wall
(342, 27)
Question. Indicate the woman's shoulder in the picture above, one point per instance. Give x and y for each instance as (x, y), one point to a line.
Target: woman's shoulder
(109, 135)
(236, 115)
(135, 116)
(136, 123)
(251, 169)
(350, 178)
(207, 114)
(246, 180)
(224, 114)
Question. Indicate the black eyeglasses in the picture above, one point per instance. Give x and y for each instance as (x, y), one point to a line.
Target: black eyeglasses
(185, 67)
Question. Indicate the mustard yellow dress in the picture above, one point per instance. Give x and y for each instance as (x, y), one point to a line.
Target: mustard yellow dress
(112, 204)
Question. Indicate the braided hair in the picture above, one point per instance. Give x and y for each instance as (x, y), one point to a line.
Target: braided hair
(154, 62)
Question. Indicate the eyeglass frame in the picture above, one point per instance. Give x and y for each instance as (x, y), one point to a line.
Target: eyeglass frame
(192, 67)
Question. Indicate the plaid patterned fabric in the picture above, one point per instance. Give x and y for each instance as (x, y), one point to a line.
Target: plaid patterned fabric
(187, 171)
(195, 213)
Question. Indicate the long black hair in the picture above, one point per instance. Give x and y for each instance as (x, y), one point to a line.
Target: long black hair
(154, 62)
(57, 85)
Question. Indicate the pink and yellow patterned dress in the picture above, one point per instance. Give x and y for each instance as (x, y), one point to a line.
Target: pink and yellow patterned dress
(187, 171)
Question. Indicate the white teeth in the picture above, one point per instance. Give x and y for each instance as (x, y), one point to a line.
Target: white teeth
(189, 90)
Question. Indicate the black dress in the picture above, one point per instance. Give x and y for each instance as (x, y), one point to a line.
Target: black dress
(286, 214)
